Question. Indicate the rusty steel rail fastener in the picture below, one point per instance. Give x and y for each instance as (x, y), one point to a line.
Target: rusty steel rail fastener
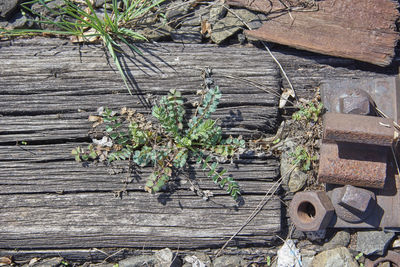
(384, 91)
(358, 129)
(391, 256)
(382, 212)
(356, 101)
(353, 204)
(353, 164)
(311, 210)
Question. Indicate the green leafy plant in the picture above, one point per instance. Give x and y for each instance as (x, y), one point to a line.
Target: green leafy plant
(83, 22)
(303, 158)
(308, 111)
(169, 144)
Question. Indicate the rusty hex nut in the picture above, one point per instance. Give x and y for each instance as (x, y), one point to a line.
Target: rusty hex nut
(311, 211)
(356, 101)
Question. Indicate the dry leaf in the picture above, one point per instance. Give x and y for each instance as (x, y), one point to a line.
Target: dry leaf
(285, 96)
(93, 118)
(205, 28)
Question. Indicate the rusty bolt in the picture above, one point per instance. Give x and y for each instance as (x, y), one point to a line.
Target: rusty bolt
(356, 101)
(356, 198)
(353, 204)
(311, 211)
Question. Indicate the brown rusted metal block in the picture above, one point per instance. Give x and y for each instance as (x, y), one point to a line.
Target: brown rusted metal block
(354, 164)
(311, 211)
(359, 29)
(358, 129)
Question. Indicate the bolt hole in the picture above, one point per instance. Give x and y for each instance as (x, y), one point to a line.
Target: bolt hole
(306, 211)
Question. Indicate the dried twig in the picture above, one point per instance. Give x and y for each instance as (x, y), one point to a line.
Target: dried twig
(259, 207)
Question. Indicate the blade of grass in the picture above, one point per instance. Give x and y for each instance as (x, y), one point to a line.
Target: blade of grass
(114, 56)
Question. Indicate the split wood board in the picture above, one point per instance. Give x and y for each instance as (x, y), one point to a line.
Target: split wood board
(364, 29)
(48, 201)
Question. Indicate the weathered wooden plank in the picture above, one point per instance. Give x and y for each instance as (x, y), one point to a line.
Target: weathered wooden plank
(96, 220)
(51, 169)
(64, 80)
(245, 120)
(50, 201)
(307, 70)
(362, 30)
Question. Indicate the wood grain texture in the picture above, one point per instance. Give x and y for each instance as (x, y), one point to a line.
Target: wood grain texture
(49, 87)
(362, 30)
(84, 220)
(52, 169)
(67, 82)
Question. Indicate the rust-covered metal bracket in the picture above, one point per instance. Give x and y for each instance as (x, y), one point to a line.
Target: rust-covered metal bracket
(356, 163)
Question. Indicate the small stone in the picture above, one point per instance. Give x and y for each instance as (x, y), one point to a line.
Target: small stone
(138, 261)
(229, 261)
(51, 262)
(166, 258)
(396, 243)
(19, 21)
(187, 35)
(199, 259)
(231, 24)
(340, 239)
(217, 12)
(156, 32)
(297, 180)
(177, 10)
(241, 38)
(334, 257)
(7, 7)
(373, 242)
(288, 255)
(199, 15)
(306, 261)
(316, 235)
(297, 234)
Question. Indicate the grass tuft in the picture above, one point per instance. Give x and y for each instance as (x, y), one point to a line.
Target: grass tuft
(83, 22)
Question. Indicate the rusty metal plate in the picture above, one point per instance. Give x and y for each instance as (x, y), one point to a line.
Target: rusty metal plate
(384, 91)
(354, 164)
(358, 129)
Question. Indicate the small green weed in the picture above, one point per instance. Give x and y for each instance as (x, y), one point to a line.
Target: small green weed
(308, 111)
(169, 144)
(268, 261)
(83, 22)
(303, 158)
(358, 257)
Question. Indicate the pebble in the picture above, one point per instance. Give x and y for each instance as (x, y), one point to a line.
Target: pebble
(333, 258)
(373, 242)
(198, 259)
(340, 239)
(138, 261)
(229, 261)
(7, 8)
